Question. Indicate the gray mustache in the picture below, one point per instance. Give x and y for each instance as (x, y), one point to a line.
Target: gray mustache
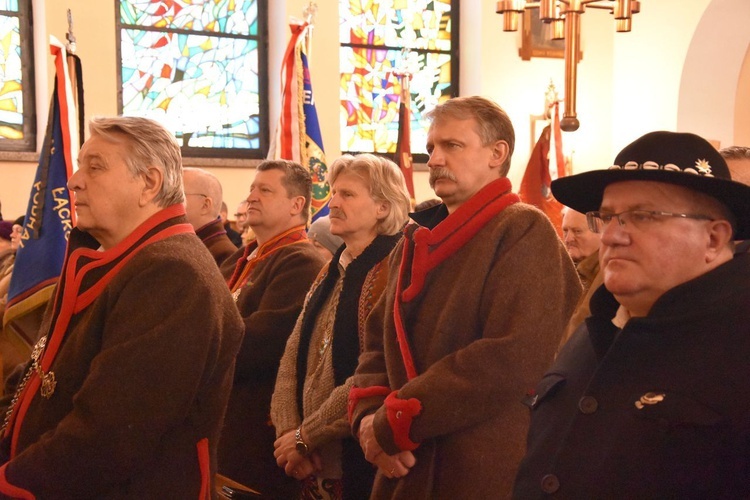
(441, 173)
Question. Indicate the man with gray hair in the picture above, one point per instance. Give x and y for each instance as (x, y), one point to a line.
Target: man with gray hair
(203, 195)
(125, 393)
(479, 291)
(738, 161)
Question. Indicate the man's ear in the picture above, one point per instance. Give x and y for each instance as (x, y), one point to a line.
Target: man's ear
(500, 152)
(153, 179)
(384, 209)
(208, 205)
(298, 204)
(719, 238)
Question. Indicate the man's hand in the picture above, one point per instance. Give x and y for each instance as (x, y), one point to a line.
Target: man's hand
(367, 441)
(392, 466)
(294, 464)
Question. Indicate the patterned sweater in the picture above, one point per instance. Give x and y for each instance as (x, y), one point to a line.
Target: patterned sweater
(332, 326)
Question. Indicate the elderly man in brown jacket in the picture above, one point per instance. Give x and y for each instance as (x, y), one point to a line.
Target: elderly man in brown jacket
(269, 279)
(475, 307)
(126, 390)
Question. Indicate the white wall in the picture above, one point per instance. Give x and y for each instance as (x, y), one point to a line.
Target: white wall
(709, 84)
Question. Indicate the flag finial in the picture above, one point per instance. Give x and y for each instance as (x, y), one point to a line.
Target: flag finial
(71, 45)
(309, 13)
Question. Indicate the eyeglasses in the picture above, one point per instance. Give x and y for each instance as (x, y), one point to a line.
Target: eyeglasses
(196, 194)
(638, 219)
(240, 214)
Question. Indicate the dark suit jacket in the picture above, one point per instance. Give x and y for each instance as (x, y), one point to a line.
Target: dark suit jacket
(214, 236)
(594, 432)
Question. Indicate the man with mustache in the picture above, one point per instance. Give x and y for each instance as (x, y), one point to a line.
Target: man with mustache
(471, 317)
(650, 398)
(368, 208)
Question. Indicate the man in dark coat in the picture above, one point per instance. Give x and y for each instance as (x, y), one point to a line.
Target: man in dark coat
(203, 196)
(649, 398)
(125, 394)
(269, 279)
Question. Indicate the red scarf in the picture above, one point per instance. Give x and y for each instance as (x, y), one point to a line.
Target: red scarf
(426, 249)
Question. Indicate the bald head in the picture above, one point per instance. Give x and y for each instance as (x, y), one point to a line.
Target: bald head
(203, 196)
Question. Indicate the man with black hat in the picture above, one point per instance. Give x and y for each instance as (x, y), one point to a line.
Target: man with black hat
(649, 398)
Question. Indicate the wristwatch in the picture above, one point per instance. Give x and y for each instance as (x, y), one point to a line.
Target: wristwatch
(301, 446)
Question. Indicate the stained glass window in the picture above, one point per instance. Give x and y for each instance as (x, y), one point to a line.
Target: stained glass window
(374, 35)
(197, 66)
(17, 114)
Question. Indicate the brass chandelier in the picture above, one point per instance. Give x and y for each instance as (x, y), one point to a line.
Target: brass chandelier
(564, 16)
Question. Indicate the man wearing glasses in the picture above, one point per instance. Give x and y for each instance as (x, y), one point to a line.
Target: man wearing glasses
(649, 398)
(203, 196)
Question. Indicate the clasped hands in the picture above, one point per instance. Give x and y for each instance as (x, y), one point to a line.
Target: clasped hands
(289, 459)
(392, 466)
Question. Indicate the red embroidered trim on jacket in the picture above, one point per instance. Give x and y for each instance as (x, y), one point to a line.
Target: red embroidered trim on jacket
(244, 267)
(74, 302)
(401, 413)
(430, 248)
(12, 490)
(403, 343)
(358, 393)
(204, 463)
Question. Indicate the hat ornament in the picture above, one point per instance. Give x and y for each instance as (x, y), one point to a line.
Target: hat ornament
(702, 167)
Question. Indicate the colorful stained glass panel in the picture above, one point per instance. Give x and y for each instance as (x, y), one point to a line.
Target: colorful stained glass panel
(371, 93)
(205, 89)
(194, 66)
(372, 35)
(11, 79)
(417, 24)
(239, 17)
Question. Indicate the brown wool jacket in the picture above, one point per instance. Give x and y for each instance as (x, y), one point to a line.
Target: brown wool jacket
(214, 236)
(269, 305)
(143, 372)
(591, 279)
(481, 326)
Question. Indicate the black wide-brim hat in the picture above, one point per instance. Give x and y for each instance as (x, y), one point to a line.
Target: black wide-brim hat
(674, 158)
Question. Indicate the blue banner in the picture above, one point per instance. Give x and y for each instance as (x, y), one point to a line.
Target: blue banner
(314, 147)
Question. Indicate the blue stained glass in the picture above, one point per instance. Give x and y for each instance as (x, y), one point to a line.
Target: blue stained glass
(199, 95)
